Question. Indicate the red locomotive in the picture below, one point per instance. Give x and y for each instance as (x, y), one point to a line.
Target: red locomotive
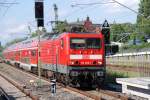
(76, 58)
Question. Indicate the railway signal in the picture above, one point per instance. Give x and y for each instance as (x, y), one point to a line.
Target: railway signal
(39, 13)
(106, 32)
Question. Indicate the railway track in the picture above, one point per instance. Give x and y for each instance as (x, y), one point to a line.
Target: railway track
(93, 94)
(3, 94)
(19, 87)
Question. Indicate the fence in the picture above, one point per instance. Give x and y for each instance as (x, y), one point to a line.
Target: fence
(140, 61)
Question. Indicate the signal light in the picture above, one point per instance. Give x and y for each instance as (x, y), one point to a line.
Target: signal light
(39, 13)
(39, 10)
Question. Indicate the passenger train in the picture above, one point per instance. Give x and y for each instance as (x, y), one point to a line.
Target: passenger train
(70, 57)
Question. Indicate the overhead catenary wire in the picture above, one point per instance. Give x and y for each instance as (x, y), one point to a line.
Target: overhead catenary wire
(83, 7)
(80, 8)
(97, 3)
(127, 7)
(112, 1)
(70, 14)
(9, 5)
(3, 5)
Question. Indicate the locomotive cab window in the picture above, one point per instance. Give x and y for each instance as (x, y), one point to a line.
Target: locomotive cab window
(85, 43)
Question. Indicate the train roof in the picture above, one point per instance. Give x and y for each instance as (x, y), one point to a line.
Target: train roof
(29, 43)
(33, 42)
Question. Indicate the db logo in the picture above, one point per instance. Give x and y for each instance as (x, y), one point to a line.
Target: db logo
(86, 57)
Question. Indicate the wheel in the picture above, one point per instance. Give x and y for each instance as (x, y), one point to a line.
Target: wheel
(34, 70)
(100, 83)
(66, 80)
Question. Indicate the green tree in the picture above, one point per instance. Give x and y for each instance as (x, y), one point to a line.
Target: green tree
(116, 30)
(143, 22)
(1, 49)
(129, 28)
(61, 26)
(138, 36)
(33, 34)
(119, 31)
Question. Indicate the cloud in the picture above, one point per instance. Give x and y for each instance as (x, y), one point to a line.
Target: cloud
(12, 29)
(63, 12)
(17, 29)
(111, 7)
(14, 25)
(4, 36)
(116, 8)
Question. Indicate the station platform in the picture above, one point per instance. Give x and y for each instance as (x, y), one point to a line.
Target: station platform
(136, 86)
(11, 91)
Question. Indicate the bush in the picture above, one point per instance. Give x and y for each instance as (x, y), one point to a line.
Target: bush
(135, 47)
(111, 76)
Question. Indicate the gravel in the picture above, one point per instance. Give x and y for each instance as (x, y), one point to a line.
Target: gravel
(43, 92)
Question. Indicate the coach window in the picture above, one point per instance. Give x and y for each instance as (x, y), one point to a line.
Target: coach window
(33, 53)
(62, 43)
(18, 53)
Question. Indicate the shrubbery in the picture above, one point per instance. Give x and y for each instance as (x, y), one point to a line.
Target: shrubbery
(135, 47)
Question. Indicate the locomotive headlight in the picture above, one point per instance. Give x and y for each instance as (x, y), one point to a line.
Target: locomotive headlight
(99, 62)
(100, 73)
(72, 62)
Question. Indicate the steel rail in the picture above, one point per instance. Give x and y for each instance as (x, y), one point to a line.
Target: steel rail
(87, 94)
(92, 96)
(3, 93)
(21, 88)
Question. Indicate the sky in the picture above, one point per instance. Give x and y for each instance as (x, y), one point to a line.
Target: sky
(15, 18)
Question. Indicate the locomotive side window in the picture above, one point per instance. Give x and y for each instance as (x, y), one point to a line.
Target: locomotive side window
(85, 43)
(62, 43)
(33, 53)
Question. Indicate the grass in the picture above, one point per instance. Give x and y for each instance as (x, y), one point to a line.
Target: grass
(1, 54)
(111, 75)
